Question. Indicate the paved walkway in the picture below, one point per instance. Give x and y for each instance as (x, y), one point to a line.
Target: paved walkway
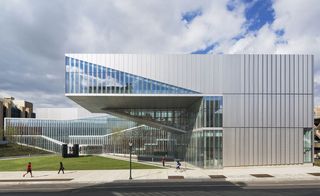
(289, 173)
(236, 174)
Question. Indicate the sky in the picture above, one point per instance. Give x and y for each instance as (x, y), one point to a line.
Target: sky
(35, 35)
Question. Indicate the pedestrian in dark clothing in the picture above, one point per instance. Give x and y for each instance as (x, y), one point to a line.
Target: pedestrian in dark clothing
(61, 168)
(29, 170)
(178, 165)
(163, 161)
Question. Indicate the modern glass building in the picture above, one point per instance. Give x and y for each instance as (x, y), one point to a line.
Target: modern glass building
(230, 110)
(95, 135)
(213, 111)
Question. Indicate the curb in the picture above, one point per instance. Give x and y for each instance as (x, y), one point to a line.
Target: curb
(37, 180)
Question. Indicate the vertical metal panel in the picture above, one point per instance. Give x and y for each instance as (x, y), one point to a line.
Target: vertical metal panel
(301, 109)
(273, 146)
(292, 145)
(242, 147)
(273, 110)
(260, 74)
(246, 146)
(287, 73)
(277, 146)
(231, 73)
(233, 111)
(305, 74)
(296, 73)
(255, 145)
(252, 74)
(256, 79)
(260, 110)
(307, 111)
(237, 146)
(273, 74)
(301, 76)
(246, 73)
(287, 111)
(292, 73)
(260, 146)
(264, 149)
(282, 145)
(310, 111)
(282, 112)
(283, 73)
(310, 74)
(229, 147)
(300, 144)
(264, 73)
(240, 59)
(278, 74)
(287, 145)
(251, 110)
(269, 145)
(297, 145)
(296, 111)
(249, 147)
(269, 73)
(265, 110)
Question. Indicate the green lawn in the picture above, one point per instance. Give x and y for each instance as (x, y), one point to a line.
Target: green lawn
(11, 149)
(51, 163)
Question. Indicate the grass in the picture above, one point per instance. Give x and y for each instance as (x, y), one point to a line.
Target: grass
(11, 149)
(51, 163)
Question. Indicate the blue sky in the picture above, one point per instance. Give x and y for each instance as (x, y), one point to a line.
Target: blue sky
(38, 33)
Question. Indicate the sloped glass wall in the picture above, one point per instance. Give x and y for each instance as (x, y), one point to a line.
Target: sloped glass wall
(85, 77)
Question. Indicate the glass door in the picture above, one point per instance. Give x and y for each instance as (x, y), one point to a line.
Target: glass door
(213, 149)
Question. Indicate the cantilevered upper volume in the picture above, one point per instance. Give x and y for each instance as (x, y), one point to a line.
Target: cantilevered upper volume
(260, 106)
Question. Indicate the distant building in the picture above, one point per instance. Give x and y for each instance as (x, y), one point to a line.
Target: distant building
(9, 107)
(64, 113)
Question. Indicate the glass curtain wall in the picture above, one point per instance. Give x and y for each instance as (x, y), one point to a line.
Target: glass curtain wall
(307, 145)
(147, 142)
(94, 135)
(85, 77)
(205, 146)
(205, 149)
(174, 117)
(51, 134)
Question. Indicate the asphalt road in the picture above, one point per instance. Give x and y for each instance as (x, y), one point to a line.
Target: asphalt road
(165, 188)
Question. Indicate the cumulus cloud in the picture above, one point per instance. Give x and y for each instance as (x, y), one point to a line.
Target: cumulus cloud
(295, 30)
(35, 35)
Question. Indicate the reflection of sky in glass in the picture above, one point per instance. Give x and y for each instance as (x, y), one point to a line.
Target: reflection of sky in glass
(84, 77)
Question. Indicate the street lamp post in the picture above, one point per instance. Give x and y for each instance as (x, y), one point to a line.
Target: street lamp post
(130, 148)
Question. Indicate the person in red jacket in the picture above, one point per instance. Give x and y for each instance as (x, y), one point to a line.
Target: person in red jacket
(29, 170)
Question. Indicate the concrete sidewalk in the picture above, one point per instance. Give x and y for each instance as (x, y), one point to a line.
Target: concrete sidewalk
(277, 173)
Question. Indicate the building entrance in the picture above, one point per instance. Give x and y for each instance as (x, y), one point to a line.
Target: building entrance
(213, 149)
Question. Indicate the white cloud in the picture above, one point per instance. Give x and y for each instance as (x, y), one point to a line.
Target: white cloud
(299, 20)
(38, 33)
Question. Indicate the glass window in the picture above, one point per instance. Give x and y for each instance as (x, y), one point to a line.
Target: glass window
(67, 60)
(94, 70)
(104, 72)
(86, 68)
(72, 62)
(307, 145)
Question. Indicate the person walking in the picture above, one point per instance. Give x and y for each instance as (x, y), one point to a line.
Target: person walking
(29, 170)
(163, 161)
(61, 168)
(178, 165)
